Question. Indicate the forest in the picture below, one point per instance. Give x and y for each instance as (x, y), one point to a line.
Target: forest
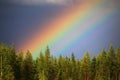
(21, 66)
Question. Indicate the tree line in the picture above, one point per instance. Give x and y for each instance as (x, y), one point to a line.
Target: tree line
(21, 66)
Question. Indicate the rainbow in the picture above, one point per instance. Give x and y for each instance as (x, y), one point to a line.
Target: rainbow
(67, 28)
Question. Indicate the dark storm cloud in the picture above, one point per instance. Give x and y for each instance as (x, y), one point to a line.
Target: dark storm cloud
(37, 2)
(17, 21)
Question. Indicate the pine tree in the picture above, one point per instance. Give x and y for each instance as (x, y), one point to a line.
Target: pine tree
(7, 71)
(104, 66)
(93, 68)
(112, 62)
(28, 67)
(98, 68)
(118, 63)
(47, 63)
(55, 64)
(73, 66)
(20, 62)
(73, 58)
(86, 67)
(40, 65)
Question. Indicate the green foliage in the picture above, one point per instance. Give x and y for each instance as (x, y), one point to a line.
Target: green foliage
(21, 66)
(28, 67)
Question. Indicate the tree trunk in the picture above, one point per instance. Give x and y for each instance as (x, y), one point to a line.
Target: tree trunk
(118, 76)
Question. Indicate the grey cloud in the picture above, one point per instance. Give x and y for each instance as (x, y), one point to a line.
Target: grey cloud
(35, 2)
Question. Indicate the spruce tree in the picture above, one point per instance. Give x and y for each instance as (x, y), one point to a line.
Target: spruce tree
(118, 64)
(112, 62)
(93, 68)
(86, 67)
(20, 62)
(7, 71)
(28, 67)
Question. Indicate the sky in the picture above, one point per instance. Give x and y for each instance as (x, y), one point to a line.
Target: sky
(65, 26)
